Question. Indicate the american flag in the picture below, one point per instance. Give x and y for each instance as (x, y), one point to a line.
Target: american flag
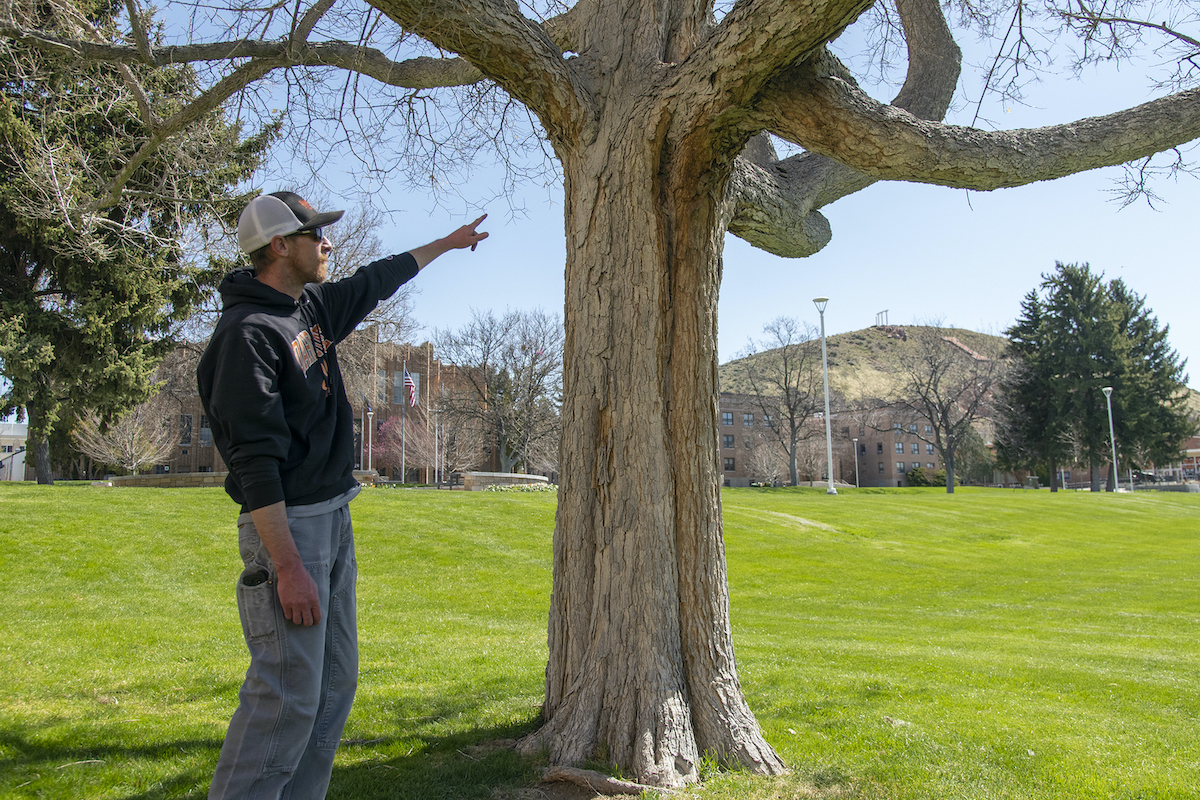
(411, 386)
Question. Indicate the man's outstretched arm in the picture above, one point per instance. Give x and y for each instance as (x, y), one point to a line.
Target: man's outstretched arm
(463, 237)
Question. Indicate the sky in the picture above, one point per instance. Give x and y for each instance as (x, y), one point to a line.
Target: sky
(914, 252)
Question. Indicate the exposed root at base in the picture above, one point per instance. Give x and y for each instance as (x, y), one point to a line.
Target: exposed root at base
(597, 782)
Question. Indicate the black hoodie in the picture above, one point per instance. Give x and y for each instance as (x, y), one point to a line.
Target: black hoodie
(270, 384)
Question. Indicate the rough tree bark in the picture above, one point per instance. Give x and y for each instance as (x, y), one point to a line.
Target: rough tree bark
(39, 447)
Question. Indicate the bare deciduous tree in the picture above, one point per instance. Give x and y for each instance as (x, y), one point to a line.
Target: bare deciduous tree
(141, 438)
(784, 371)
(511, 370)
(765, 462)
(948, 384)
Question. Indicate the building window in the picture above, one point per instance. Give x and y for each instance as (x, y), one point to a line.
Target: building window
(729, 465)
(206, 469)
(929, 449)
(768, 421)
(862, 431)
(930, 465)
(900, 448)
(185, 429)
(916, 448)
(880, 467)
(912, 428)
(726, 417)
(8, 448)
(728, 440)
(897, 427)
(916, 465)
(862, 449)
(879, 448)
(747, 420)
(899, 466)
(928, 429)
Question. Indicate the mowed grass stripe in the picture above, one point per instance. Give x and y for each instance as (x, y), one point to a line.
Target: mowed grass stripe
(902, 650)
(894, 644)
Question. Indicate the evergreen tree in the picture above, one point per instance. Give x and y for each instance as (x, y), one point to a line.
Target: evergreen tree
(1030, 433)
(1075, 338)
(91, 287)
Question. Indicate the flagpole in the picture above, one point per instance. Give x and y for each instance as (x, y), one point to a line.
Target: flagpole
(362, 434)
(403, 403)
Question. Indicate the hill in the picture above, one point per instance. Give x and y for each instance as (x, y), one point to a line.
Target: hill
(862, 363)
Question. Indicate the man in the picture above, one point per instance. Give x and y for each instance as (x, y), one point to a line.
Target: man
(271, 388)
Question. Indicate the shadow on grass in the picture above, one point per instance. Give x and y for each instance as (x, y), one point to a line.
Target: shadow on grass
(53, 768)
(479, 763)
(472, 762)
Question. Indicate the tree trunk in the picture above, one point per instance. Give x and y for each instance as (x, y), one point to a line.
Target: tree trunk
(949, 472)
(1053, 477)
(641, 668)
(1095, 476)
(792, 464)
(39, 446)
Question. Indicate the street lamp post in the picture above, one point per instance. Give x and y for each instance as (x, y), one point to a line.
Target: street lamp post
(855, 443)
(820, 303)
(1112, 437)
(370, 436)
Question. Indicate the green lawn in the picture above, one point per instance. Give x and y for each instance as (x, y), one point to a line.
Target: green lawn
(894, 643)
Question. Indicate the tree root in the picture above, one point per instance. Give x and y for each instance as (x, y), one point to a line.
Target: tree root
(597, 782)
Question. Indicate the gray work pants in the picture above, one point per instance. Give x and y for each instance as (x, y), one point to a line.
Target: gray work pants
(301, 681)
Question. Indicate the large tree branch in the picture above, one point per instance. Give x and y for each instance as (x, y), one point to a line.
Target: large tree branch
(831, 117)
(776, 201)
(758, 39)
(415, 73)
(206, 103)
(515, 52)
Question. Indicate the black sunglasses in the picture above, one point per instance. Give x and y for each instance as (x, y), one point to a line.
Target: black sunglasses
(314, 232)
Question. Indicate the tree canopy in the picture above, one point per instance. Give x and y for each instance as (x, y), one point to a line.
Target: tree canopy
(1073, 339)
(90, 295)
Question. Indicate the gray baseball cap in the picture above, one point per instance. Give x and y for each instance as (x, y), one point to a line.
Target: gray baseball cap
(278, 214)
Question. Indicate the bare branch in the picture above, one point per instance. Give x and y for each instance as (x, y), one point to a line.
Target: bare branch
(416, 73)
(775, 204)
(509, 49)
(754, 42)
(206, 103)
(831, 117)
(139, 31)
(309, 20)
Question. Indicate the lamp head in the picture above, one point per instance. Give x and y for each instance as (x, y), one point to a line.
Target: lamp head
(820, 302)
(1107, 391)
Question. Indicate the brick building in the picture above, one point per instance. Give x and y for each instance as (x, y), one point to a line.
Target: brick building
(383, 398)
(886, 446)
